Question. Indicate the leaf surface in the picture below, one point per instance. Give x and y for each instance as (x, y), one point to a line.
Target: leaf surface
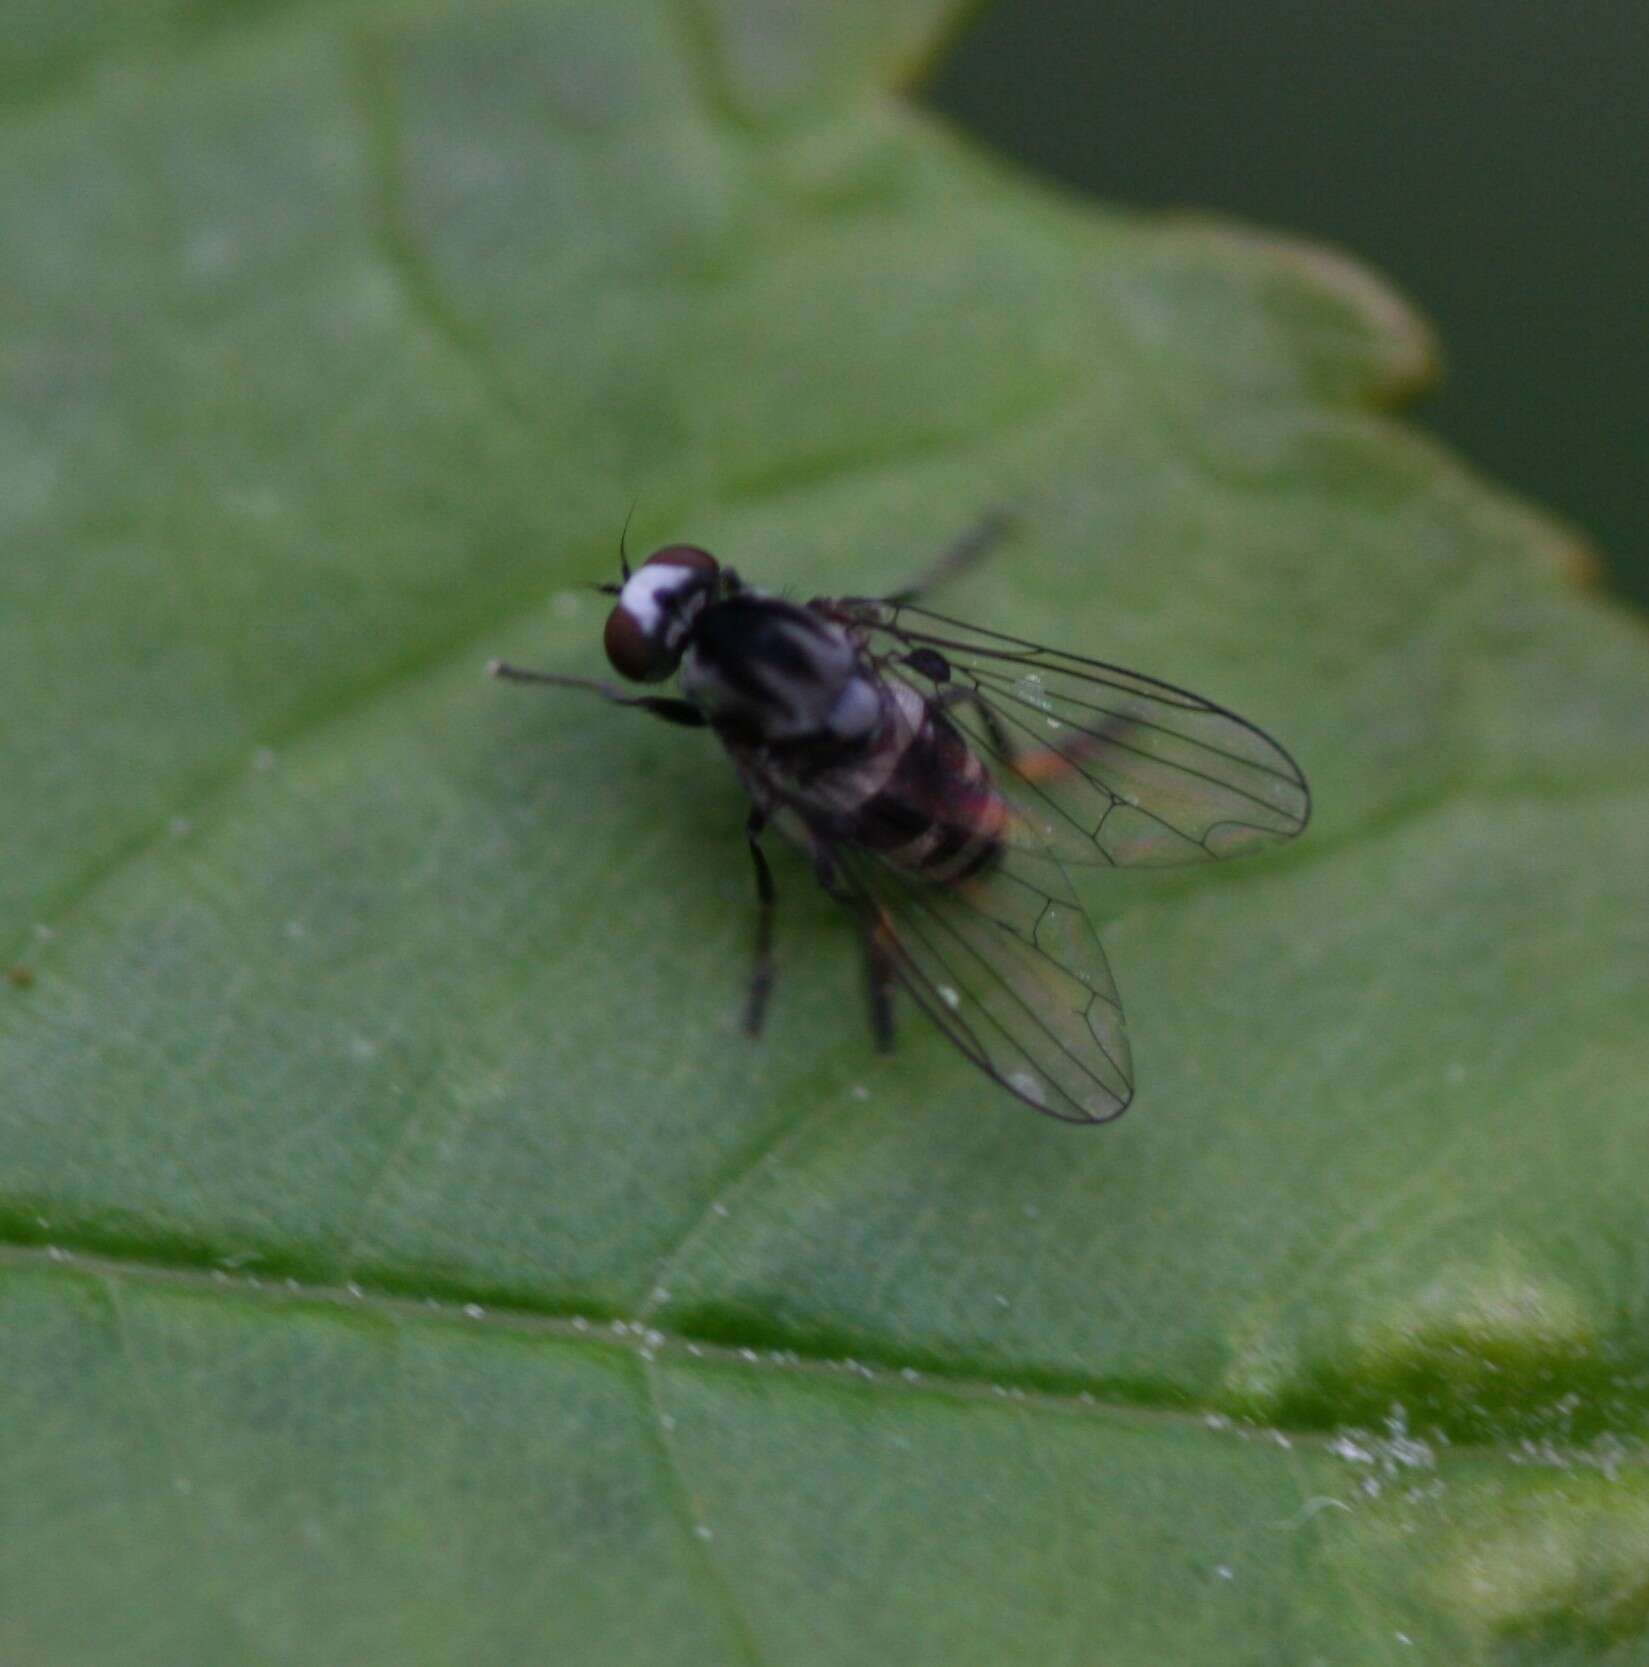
(405, 1259)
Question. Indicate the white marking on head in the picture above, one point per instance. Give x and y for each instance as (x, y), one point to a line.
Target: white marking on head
(644, 587)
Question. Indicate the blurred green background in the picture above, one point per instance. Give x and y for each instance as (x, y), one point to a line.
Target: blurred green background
(1488, 155)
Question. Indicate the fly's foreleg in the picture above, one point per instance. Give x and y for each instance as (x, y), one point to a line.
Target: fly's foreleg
(974, 545)
(682, 712)
(761, 977)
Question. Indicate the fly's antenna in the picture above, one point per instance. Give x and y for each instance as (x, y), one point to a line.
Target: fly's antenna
(623, 554)
(623, 557)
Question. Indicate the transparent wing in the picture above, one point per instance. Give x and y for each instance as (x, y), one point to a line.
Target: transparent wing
(1102, 764)
(1010, 969)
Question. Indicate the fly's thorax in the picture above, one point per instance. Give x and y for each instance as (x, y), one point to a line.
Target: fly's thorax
(778, 673)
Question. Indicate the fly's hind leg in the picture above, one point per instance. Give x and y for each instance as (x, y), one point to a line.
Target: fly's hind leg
(1031, 764)
(958, 694)
(761, 976)
(880, 970)
(879, 983)
(930, 664)
(974, 545)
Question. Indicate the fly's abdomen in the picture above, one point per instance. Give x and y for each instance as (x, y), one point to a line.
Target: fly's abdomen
(936, 813)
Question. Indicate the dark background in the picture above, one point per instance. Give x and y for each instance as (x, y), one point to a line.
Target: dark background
(1489, 156)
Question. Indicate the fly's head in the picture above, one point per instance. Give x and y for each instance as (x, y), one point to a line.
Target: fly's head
(658, 605)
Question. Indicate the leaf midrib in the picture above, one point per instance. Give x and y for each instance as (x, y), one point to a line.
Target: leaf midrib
(629, 1335)
(633, 1338)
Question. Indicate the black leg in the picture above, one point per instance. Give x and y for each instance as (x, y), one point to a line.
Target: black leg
(879, 981)
(761, 979)
(682, 712)
(878, 942)
(956, 694)
(976, 543)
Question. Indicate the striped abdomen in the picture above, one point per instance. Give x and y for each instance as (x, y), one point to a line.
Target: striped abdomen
(925, 800)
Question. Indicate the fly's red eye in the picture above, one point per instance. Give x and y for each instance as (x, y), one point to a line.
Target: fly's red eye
(631, 652)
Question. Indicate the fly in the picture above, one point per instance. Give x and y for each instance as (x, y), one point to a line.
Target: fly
(942, 778)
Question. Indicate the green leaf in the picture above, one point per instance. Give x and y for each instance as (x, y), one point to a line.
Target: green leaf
(405, 1259)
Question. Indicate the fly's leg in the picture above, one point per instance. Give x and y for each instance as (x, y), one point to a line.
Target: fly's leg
(878, 943)
(879, 973)
(761, 977)
(929, 663)
(974, 545)
(1032, 764)
(956, 694)
(682, 712)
